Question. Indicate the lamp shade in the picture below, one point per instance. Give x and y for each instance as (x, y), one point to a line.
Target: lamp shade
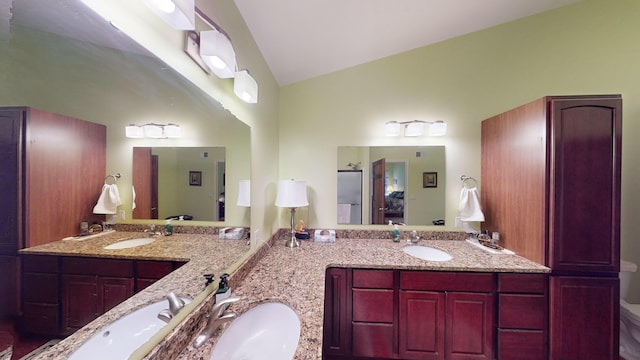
(245, 87)
(292, 194)
(172, 131)
(217, 52)
(414, 128)
(179, 14)
(153, 131)
(392, 128)
(134, 131)
(244, 193)
(438, 128)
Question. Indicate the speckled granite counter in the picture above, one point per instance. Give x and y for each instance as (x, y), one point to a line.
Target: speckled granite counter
(296, 277)
(204, 253)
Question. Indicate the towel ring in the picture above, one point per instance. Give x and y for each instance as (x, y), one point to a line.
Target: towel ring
(115, 177)
(466, 179)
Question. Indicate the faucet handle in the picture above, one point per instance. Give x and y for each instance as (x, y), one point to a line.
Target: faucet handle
(220, 307)
(175, 303)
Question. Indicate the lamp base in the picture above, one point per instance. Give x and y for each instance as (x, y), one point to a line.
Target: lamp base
(292, 243)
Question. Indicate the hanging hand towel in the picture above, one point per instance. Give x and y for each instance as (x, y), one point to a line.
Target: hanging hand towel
(344, 213)
(470, 205)
(133, 196)
(108, 201)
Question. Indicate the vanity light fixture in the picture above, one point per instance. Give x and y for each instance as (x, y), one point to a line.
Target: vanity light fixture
(245, 87)
(180, 14)
(154, 131)
(217, 52)
(292, 194)
(415, 128)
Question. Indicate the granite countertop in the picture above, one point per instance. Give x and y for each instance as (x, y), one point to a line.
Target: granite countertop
(204, 253)
(296, 277)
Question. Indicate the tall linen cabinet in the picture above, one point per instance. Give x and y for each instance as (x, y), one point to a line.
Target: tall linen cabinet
(551, 187)
(52, 171)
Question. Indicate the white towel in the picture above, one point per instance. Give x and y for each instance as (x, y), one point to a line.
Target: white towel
(470, 205)
(344, 213)
(108, 201)
(133, 196)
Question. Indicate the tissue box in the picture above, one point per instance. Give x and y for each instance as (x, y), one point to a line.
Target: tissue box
(324, 236)
(231, 233)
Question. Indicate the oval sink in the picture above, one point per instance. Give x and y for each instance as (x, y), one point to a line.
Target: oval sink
(267, 331)
(122, 337)
(126, 244)
(427, 253)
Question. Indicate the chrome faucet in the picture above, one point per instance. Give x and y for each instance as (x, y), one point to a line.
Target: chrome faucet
(217, 317)
(175, 305)
(152, 230)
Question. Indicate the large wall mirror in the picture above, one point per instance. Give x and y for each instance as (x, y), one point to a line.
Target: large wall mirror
(397, 184)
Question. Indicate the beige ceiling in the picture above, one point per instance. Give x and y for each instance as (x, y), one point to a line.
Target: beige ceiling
(302, 39)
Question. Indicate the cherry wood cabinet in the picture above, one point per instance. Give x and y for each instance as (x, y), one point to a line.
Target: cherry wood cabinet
(551, 187)
(52, 170)
(40, 294)
(393, 314)
(149, 271)
(522, 316)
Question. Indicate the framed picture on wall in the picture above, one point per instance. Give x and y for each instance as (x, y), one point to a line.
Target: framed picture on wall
(195, 178)
(429, 179)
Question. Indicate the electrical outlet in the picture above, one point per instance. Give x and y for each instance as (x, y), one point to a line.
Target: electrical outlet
(121, 214)
(458, 222)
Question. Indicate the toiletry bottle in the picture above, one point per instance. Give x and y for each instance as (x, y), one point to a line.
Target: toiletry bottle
(224, 290)
(168, 228)
(395, 234)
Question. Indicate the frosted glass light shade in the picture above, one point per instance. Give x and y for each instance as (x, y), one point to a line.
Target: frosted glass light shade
(134, 131)
(152, 131)
(414, 128)
(244, 193)
(245, 87)
(179, 14)
(292, 194)
(438, 128)
(217, 52)
(392, 128)
(172, 131)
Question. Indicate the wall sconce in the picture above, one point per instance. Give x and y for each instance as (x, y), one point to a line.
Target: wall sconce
(292, 194)
(245, 87)
(415, 128)
(244, 193)
(179, 14)
(154, 131)
(217, 52)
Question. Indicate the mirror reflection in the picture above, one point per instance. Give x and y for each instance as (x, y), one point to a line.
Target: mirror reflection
(184, 183)
(397, 184)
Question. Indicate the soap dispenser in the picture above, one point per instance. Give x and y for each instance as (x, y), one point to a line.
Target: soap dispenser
(395, 234)
(224, 290)
(168, 228)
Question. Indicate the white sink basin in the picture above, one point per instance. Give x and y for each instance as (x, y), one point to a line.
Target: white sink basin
(122, 337)
(126, 244)
(427, 253)
(267, 331)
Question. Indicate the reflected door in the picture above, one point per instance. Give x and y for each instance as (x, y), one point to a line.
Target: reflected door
(378, 170)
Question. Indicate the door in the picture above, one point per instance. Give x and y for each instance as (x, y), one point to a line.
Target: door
(154, 186)
(142, 178)
(349, 197)
(378, 170)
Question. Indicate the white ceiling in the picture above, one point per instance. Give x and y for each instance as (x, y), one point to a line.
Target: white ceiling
(302, 39)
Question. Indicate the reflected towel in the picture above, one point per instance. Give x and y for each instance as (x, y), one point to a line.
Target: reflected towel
(108, 201)
(470, 205)
(133, 197)
(344, 213)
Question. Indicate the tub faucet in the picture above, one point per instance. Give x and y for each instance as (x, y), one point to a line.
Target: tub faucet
(175, 305)
(217, 317)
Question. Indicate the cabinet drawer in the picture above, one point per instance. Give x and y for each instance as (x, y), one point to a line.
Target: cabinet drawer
(96, 266)
(521, 345)
(373, 340)
(38, 263)
(521, 311)
(446, 281)
(40, 288)
(153, 269)
(40, 318)
(373, 279)
(522, 283)
(373, 305)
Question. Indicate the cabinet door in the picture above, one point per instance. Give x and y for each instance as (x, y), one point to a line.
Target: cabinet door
(421, 325)
(585, 184)
(585, 318)
(80, 302)
(337, 313)
(470, 326)
(113, 291)
(10, 181)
